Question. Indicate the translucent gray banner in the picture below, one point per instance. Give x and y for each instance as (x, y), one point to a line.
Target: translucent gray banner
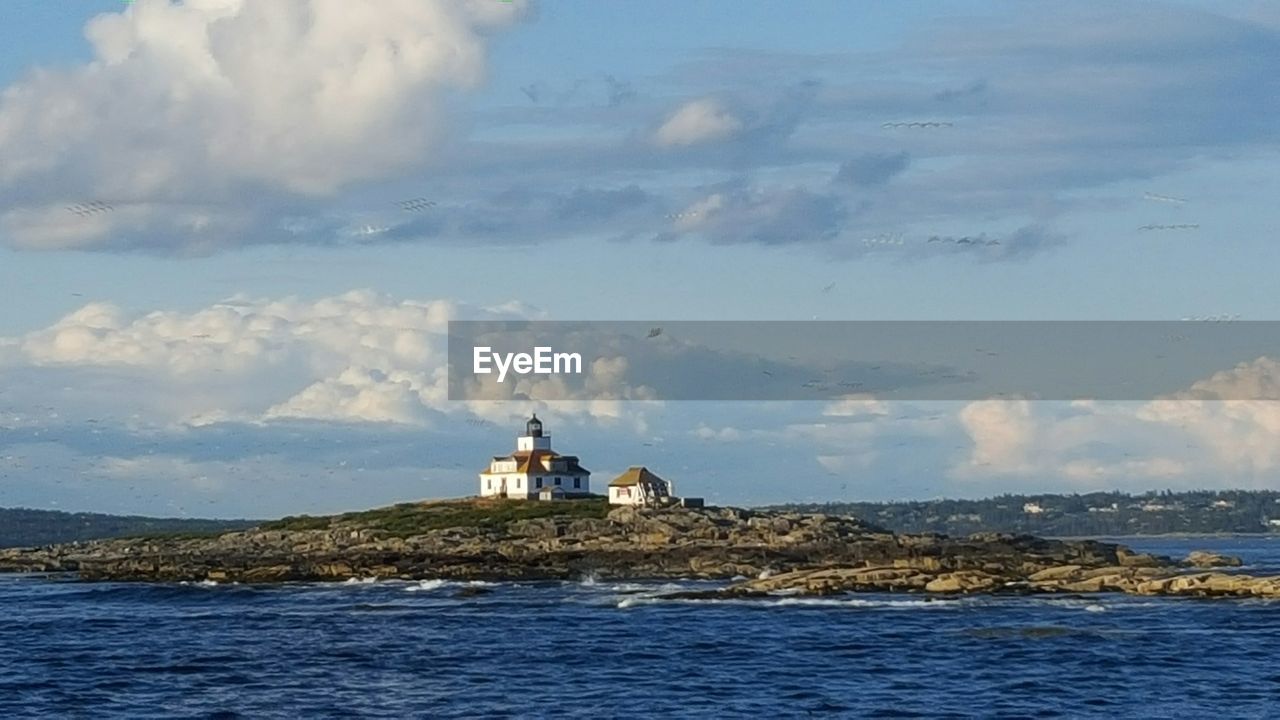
(829, 360)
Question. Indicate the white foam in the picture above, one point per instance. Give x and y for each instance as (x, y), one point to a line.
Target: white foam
(1095, 608)
(840, 602)
(863, 603)
(361, 581)
(428, 585)
(643, 588)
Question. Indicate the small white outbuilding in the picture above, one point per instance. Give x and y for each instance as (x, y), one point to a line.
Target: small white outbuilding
(638, 486)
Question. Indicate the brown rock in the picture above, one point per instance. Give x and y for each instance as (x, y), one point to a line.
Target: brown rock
(1205, 559)
(962, 582)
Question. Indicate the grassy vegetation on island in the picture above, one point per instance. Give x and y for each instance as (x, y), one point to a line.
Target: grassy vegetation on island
(407, 519)
(1098, 514)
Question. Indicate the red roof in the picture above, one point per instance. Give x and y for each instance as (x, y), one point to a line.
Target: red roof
(531, 462)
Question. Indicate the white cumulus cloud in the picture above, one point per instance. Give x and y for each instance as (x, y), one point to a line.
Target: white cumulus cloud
(356, 357)
(695, 122)
(188, 110)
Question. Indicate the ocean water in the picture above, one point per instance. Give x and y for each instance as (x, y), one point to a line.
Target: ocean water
(603, 649)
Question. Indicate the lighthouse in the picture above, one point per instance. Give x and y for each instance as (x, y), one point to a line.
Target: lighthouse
(533, 468)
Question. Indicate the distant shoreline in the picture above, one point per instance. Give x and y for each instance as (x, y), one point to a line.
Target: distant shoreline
(1190, 513)
(1167, 536)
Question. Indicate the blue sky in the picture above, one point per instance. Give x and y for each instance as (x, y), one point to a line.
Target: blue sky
(603, 160)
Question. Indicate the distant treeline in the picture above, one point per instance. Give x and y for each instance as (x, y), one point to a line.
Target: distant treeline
(1092, 514)
(27, 528)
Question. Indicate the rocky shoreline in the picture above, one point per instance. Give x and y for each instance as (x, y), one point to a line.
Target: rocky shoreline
(781, 553)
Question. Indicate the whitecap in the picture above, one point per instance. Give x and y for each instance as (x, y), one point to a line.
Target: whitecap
(851, 602)
(836, 602)
(427, 585)
(644, 588)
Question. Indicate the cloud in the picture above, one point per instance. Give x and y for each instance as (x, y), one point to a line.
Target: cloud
(357, 357)
(856, 406)
(725, 434)
(1257, 379)
(872, 169)
(189, 110)
(1053, 444)
(602, 203)
(1093, 471)
(1243, 435)
(738, 214)
(364, 394)
(1003, 434)
(1189, 435)
(695, 122)
(187, 124)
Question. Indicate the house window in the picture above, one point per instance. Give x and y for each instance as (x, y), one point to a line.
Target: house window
(488, 484)
(518, 483)
(577, 483)
(539, 482)
(557, 481)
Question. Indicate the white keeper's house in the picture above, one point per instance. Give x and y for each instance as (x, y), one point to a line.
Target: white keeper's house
(534, 471)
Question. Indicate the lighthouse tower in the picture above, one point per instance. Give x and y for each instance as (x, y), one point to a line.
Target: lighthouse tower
(533, 467)
(533, 438)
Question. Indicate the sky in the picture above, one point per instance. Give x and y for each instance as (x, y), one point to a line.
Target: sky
(232, 234)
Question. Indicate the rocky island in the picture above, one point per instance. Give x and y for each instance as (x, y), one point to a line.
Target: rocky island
(761, 553)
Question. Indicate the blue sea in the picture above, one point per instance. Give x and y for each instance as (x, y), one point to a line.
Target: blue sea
(601, 649)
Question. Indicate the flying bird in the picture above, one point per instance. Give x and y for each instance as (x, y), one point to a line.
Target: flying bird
(1213, 318)
(416, 204)
(883, 239)
(1163, 198)
(831, 286)
(916, 124)
(683, 215)
(964, 240)
(95, 207)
